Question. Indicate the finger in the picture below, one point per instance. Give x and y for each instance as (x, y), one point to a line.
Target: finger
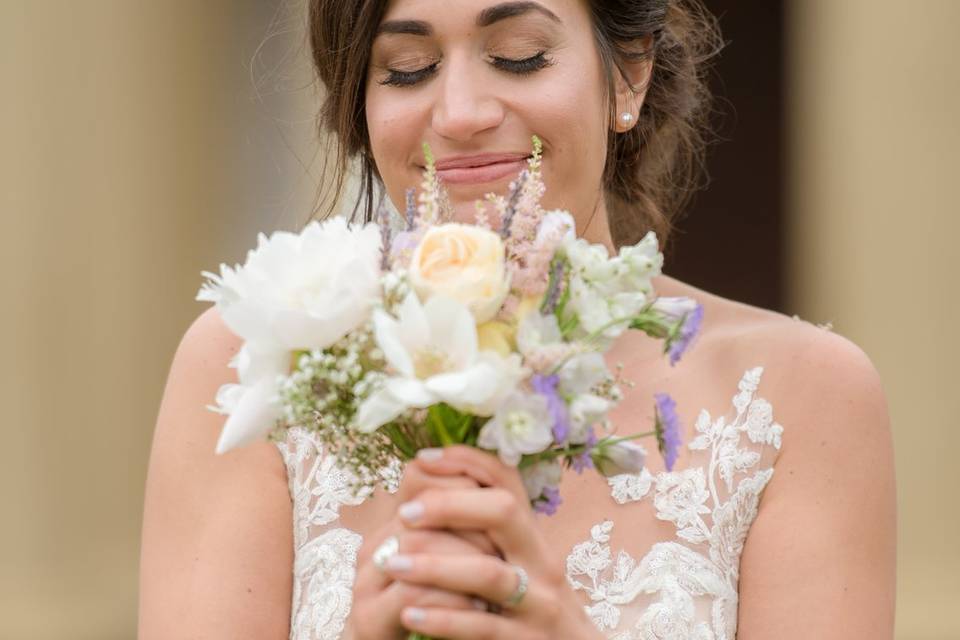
(417, 479)
(495, 511)
(461, 625)
(484, 576)
(404, 594)
(379, 616)
(372, 579)
(483, 466)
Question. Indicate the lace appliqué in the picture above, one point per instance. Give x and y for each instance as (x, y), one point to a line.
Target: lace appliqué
(689, 587)
(325, 556)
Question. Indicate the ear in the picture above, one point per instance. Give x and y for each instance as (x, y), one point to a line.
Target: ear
(631, 85)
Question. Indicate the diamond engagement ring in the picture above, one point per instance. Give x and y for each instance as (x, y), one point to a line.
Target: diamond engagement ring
(521, 589)
(387, 548)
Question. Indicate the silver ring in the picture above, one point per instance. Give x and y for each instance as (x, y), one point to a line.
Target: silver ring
(521, 590)
(382, 553)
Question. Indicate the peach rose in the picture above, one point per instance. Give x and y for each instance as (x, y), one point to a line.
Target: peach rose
(464, 262)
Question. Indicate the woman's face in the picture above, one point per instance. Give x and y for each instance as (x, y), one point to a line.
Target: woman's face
(475, 79)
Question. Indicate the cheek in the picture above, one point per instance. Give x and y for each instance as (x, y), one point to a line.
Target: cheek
(396, 129)
(570, 116)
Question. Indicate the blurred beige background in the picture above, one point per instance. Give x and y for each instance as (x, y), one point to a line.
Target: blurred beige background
(142, 142)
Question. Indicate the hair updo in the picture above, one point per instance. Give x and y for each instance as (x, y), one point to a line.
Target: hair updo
(651, 170)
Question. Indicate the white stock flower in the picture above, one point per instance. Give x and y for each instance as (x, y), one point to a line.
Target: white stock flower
(300, 291)
(582, 372)
(252, 405)
(604, 290)
(522, 424)
(433, 350)
(464, 262)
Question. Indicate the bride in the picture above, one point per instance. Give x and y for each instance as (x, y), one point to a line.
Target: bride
(778, 521)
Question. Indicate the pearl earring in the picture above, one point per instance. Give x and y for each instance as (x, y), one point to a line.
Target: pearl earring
(626, 118)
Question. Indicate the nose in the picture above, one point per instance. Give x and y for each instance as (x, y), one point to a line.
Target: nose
(465, 105)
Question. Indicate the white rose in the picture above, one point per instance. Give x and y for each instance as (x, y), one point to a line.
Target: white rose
(464, 262)
(300, 291)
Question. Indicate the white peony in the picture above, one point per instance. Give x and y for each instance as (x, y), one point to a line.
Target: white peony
(522, 425)
(433, 351)
(300, 291)
(252, 405)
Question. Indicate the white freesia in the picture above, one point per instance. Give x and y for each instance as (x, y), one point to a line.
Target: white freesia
(300, 291)
(522, 424)
(620, 457)
(605, 292)
(252, 404)
(433, 351)
(464, 262)
(539, 476)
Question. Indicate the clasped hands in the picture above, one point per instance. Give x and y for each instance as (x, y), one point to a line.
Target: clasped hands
(465, 522)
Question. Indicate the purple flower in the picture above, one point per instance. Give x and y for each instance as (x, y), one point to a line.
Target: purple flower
(584, 460)
(547, 387)
(667, 428)
(548, 502)
(689, 327)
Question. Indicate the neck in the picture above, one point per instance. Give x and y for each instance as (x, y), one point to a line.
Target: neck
(597, 229)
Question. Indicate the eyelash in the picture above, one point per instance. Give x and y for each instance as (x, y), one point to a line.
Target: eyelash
(519, 67)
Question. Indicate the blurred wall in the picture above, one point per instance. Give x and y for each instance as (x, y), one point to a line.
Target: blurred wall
(874, 101)
(142, 142)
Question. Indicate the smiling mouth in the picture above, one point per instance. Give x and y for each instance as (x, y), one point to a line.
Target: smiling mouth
(468, 172)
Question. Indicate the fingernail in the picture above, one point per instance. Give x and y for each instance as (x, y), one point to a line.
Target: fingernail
(480, 604)
(431, 454)
(414, 614)
(399, 563)
(411, 511)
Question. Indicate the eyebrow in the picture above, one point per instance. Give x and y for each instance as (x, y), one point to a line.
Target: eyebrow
(485, 18)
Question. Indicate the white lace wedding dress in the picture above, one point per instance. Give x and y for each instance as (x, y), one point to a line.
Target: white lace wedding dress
(681, 587)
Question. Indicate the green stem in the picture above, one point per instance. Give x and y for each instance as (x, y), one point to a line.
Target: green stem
(572, 450)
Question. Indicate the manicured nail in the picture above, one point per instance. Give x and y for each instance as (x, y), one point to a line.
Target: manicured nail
(431, 454)
(411, 511)
(414, 614)
(399, 563)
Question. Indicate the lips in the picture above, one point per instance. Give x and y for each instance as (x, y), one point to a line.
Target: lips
(481, 168)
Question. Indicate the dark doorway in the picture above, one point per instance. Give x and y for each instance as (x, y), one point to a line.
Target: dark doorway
(730, 241)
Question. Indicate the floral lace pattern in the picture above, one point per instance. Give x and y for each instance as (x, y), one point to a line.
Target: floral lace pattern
(685, 589)
(682, 589)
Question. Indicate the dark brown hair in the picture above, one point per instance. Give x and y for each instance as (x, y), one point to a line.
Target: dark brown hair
(651, 170)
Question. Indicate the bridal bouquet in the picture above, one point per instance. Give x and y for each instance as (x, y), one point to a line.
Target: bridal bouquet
(418, 332)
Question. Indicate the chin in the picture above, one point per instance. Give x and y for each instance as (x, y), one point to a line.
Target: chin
(465, 212)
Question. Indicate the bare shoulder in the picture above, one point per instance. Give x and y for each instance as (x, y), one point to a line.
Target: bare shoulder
(820, 557)
(216, 554)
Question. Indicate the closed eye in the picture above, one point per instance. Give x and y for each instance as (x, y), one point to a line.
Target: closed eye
(523, 66)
